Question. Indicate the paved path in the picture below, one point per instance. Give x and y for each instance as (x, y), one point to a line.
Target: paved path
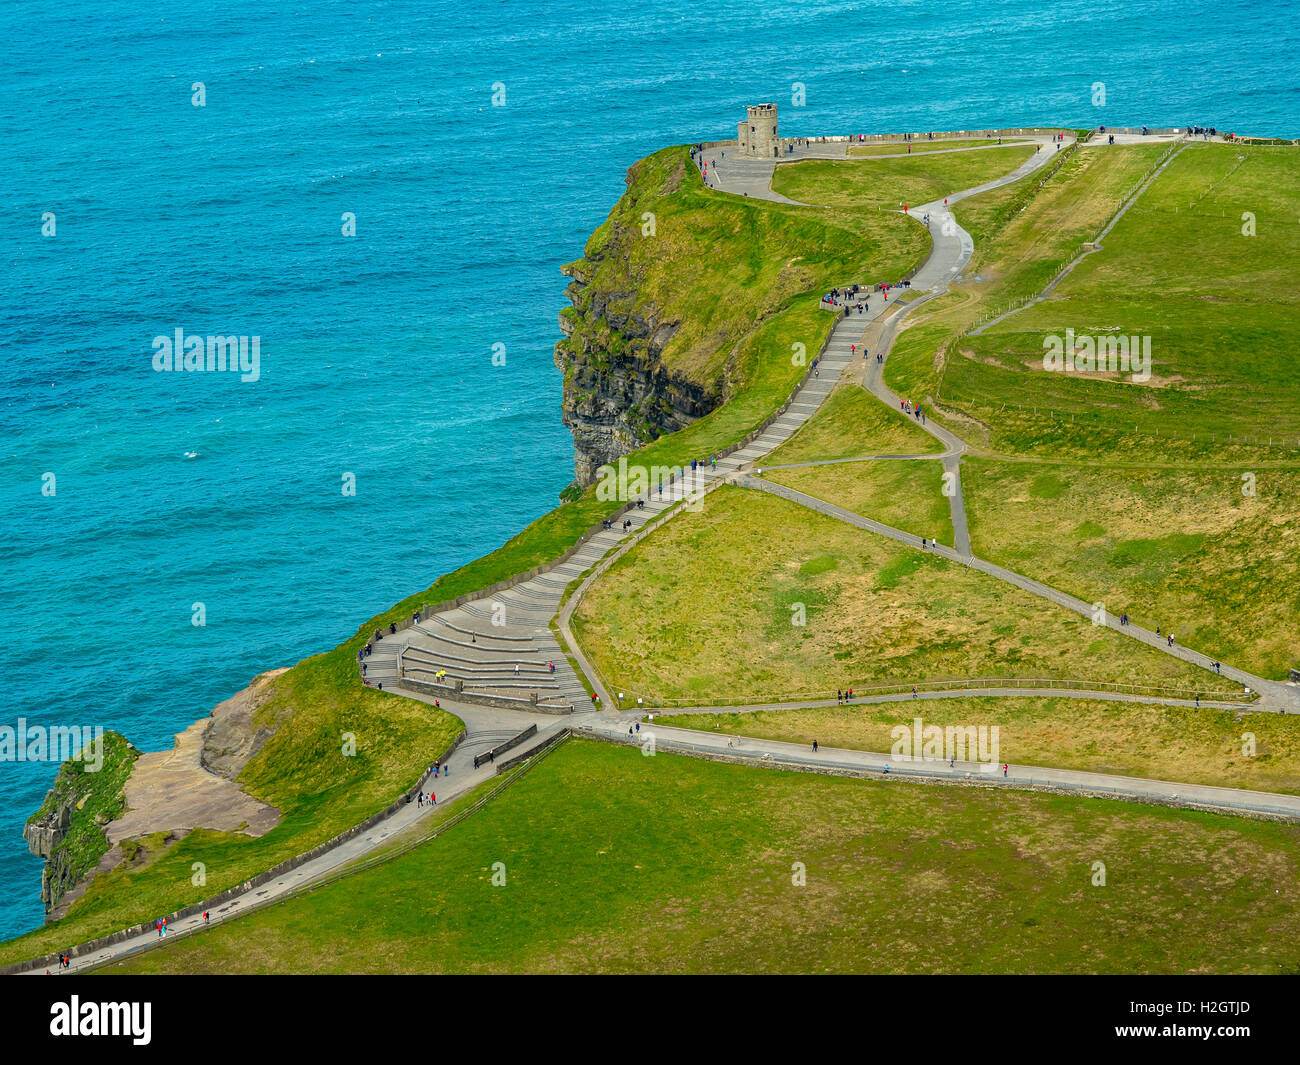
(975, 690)
(799, 756)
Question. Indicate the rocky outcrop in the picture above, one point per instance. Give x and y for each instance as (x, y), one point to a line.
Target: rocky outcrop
(617, 393)
(86, 819)
(620, 392)
(230, 738)
(44, 834)
(68, 830)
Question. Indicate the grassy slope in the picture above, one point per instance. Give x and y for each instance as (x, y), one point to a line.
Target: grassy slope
(1182, 549)
(703, 611)
(852, 423)
(1022, 238)
(1199, 746)
(685, 866)
(723, 266)
(904, 495)
(93, 794)
(881, 184)
(301, 770)
(1221, 309)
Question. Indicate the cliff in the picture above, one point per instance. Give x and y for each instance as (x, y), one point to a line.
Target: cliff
(88, 817)
(622, 387)
(68, 830)
(618, 390)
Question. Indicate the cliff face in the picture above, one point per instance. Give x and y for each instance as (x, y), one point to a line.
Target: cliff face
(86, 818)
(68, 830)
(628, 293)
(617, 393)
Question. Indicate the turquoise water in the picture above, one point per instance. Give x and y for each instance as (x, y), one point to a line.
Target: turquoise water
(376, 350)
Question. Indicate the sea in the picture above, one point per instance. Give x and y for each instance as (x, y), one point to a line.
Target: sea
(379, 196)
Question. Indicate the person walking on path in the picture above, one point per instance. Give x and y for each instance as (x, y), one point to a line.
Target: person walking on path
(814, 746)
(207, 919)
(1005, 769)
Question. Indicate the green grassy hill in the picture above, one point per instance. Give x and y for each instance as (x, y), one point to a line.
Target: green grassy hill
(687, 866)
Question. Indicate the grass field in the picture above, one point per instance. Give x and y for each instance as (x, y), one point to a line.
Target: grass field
(905, 495)
(852, 423)
(1184, 549)
(1195, 745)
(1023, 236)
(922, 147)
(706, 609)
(882, 184)
(1220, 308)
(614, 862)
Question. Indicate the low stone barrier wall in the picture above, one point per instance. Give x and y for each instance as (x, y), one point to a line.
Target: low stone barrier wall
(501, 748)
(501, 702)
(546, 745)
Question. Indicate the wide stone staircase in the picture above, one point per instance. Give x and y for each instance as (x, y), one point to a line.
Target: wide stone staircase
(500, 651)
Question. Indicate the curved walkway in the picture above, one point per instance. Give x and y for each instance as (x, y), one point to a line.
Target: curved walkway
(780, 754)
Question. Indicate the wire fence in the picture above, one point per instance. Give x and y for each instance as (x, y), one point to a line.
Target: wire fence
(1111, 420)
(640, 700)
(966, 773)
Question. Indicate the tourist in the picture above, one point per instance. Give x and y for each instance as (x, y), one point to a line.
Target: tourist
(433, 799)
(1005, 770)
(839, 696)
(913, 691)
(814, 746)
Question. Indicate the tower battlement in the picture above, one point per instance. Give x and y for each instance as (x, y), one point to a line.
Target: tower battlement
(756, 135)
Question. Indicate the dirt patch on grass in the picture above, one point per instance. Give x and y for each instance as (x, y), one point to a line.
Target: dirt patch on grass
(176, 790)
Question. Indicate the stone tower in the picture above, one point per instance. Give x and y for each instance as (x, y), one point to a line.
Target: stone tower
(757, 134)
